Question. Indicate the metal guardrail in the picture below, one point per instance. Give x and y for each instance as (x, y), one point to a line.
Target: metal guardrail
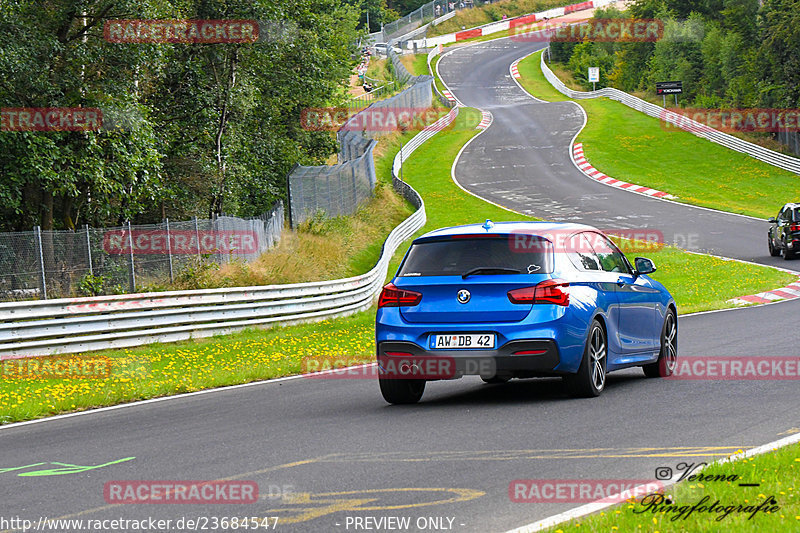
(86, 324)
(766, 155)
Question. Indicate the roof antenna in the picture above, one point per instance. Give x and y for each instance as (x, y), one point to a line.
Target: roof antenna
(488, 225)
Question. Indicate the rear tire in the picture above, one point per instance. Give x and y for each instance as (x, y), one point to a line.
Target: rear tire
(590, 380)
(774, 252)
(668, 357)
(787, 254)
(401, 391)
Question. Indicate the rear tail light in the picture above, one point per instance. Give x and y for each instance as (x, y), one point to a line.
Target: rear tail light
(530, 352)
(550, 291)
(391, 296)
(794, 227)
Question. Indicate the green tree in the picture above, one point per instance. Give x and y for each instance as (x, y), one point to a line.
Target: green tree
(379, 13)
(778, 64)
(189, 129)
(232, 112)
(54, 55)
(678, 55)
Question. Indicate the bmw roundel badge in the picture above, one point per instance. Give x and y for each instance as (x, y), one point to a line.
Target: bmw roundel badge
(463, 296)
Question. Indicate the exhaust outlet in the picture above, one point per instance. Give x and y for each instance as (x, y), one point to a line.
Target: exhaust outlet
(405, 368)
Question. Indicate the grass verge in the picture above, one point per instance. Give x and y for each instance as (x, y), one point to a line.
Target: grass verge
(159, 370)
(436, 79)
(416, 64)
(163, 370)
(777, 474)
(631, 146)
(378, 69)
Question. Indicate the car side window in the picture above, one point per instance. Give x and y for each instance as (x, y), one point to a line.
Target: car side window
(611, 259)
(581, 253)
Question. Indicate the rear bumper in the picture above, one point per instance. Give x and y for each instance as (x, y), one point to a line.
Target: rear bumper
(407, 360)
(566, 333)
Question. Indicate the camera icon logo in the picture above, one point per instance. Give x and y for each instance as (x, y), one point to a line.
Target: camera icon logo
(663, 473)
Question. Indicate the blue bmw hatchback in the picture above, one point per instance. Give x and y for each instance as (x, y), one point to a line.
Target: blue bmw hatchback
(519, 300)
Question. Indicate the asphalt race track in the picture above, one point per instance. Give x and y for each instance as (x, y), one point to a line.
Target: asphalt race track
(326, 452)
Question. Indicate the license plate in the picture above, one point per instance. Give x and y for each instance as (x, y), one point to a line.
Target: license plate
(457, 341)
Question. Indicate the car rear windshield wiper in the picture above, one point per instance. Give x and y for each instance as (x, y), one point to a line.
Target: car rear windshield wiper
(489, 270)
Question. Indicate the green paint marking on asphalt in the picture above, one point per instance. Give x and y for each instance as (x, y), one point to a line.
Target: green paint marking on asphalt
(11, 469)
(68, 468)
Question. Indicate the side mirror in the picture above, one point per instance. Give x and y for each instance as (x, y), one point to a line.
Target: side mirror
(643, 266)
(772, 220)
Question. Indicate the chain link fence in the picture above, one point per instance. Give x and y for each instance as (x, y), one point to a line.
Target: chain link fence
(789, 138)
(334, 190)
(88, 261)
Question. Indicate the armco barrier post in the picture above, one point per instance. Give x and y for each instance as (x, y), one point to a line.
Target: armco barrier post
(289, 192)
(169, 251)
(330, 193)
(197, 236)
(355, 186)
(132, 274)
(42, 277)
(89, 249)
(401, 162)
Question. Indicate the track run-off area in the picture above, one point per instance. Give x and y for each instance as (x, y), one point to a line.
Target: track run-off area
(331, 455)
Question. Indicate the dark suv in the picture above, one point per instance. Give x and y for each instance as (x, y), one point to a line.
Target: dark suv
(784, 235)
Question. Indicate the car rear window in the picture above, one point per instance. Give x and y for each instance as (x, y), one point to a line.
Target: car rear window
(454, 256)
